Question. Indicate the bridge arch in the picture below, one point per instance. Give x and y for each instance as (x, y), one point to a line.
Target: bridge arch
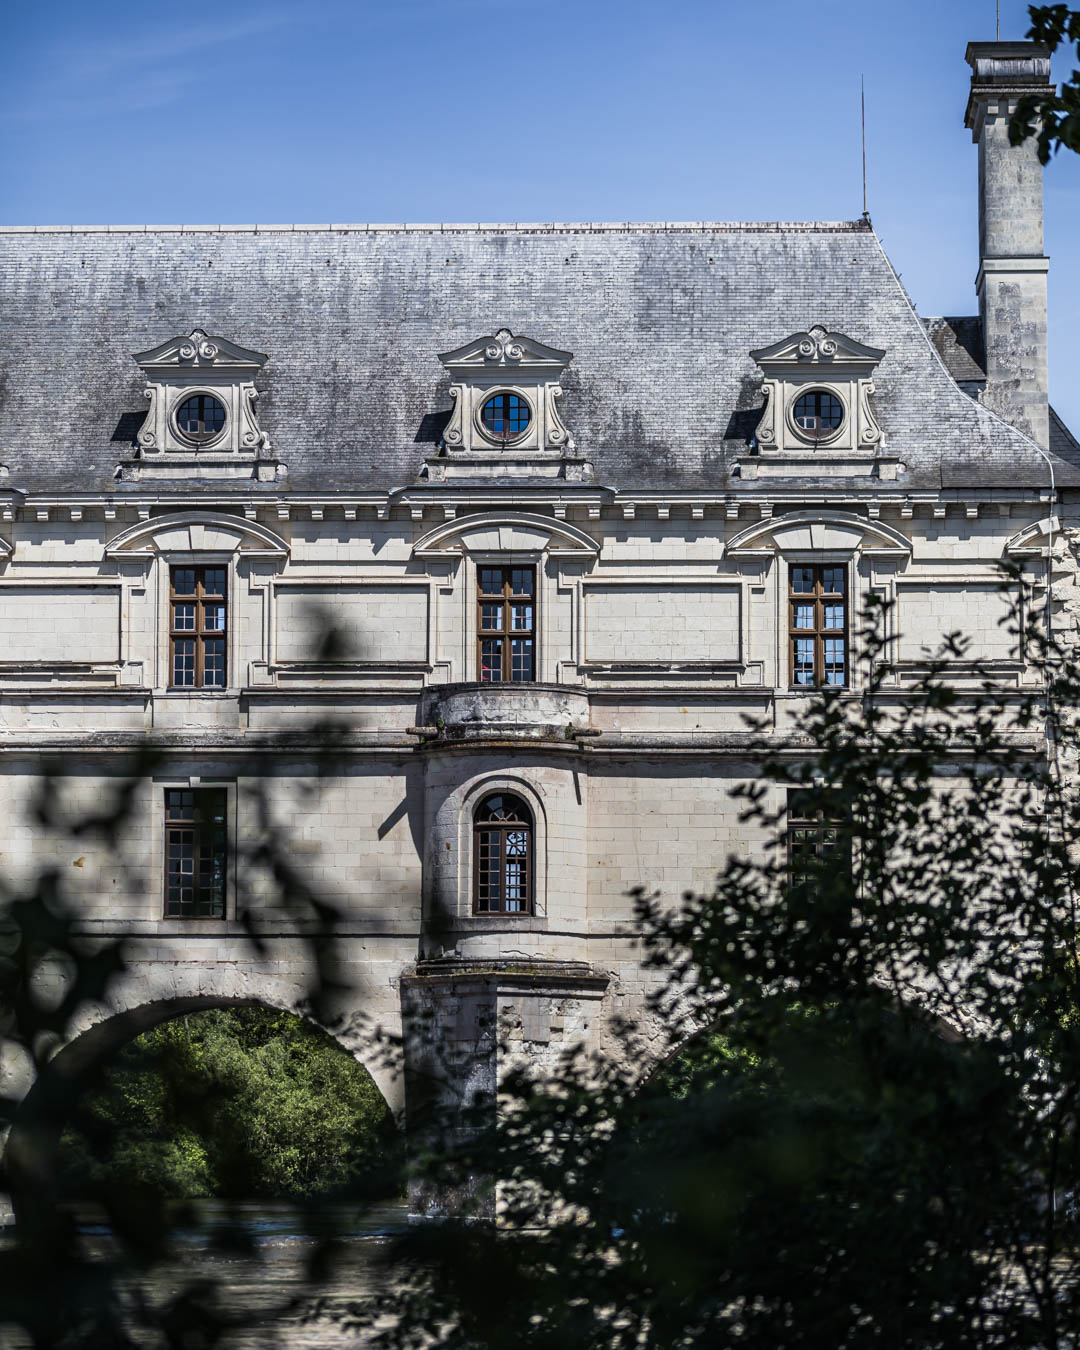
(31, 1152)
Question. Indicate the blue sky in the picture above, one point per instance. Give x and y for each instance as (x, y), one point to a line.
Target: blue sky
(445, 110)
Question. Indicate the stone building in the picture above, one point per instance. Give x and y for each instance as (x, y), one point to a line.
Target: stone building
(535, 515)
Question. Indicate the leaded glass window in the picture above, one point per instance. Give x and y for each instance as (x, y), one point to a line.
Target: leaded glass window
(195, 853)
(506, 623)
(818, 623)
(198, 627)
(502, 856)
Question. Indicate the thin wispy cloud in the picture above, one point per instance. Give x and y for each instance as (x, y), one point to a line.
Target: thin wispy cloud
(151, 69)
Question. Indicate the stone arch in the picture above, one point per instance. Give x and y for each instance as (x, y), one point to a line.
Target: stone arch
(657, 1061)
(198, 532)
(1033, 540)
(820, 532)
(30, 1154)
(506, 532)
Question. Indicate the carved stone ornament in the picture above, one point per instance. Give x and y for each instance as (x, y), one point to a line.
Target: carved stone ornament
(807, 362)
(514, 366)
(184, 367)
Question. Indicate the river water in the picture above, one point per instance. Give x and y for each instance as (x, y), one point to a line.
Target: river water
(255, 1290)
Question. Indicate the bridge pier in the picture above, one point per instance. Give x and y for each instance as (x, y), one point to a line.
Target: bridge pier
(466, 1024)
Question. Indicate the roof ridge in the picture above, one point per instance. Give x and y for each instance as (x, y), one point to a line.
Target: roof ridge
(480, 227)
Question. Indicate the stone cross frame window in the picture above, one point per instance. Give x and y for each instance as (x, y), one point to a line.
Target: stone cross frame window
(502, 856)
(198, 609)
(196, 852)
(506, 623)
(817, 609)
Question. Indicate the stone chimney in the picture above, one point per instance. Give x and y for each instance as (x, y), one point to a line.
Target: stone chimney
(1012, 267)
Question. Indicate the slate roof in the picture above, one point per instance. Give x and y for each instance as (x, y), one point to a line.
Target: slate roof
(661, 393)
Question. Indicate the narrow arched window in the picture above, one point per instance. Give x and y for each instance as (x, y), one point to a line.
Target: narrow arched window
(502, 856)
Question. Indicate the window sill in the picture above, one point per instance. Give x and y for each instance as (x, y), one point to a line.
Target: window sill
(183, 691)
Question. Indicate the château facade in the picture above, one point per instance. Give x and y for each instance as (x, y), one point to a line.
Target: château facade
(535, 516)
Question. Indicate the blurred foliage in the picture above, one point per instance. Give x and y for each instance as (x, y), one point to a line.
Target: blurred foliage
(240, 1103)
(862, 1127)
(1052, 118)
(864, 1132)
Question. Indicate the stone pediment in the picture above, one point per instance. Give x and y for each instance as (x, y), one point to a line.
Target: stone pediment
(197, 532)
(505, 352)
(837, 532)
(200, 352)
(510, 533)
(818, 347)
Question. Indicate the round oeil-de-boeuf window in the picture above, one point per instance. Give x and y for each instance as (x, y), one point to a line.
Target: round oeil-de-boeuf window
(818, 413)
(505, 416)
(200, 418)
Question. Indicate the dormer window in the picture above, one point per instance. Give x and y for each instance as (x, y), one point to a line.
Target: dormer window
(817, 390)
(505, 390)
(202, 398)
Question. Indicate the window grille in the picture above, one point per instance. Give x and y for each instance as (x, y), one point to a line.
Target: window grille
(195, 853)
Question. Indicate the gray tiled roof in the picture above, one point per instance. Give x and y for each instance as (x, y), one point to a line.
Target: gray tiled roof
(661, 319)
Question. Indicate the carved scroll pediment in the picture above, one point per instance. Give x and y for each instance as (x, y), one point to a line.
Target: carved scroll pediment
(818, 347)
(200, 352)
(512, 532)
(199, 365)
(505, 352)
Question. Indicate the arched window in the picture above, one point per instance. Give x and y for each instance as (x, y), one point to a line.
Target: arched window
(502, 856)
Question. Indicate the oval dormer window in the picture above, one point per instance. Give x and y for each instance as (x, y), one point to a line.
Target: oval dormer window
(505, 416)
(818, 413)
(200, 418)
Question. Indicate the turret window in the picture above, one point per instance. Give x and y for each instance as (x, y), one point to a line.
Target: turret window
(502, 856)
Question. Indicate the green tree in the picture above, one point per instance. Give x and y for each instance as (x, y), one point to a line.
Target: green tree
(869, 1137)
(1052, 118)
(240, 1103)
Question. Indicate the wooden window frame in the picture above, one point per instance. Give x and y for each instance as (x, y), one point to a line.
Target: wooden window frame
(507, 598)
(196, 833)
(198, 635)
(484, 905)
(818, 634)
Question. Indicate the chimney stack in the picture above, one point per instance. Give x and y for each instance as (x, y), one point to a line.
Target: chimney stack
(1011, 284)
